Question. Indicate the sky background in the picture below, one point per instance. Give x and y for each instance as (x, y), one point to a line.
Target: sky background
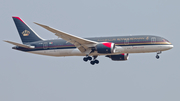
(30, 77)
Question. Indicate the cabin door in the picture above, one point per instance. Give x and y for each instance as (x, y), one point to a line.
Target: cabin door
(45, 45)
(153, 40)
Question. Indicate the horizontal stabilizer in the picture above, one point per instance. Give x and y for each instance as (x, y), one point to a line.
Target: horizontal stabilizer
(18, 44)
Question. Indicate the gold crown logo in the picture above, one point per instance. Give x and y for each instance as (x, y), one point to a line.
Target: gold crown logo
(26, 33)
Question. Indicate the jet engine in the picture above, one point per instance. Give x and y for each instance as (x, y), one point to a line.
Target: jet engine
(105, 47)
(120, 57)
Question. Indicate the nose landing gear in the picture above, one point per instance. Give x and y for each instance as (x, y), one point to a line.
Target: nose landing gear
(157, 56)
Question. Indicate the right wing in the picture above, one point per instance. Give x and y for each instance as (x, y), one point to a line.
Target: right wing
(18, 44)
(84, 45)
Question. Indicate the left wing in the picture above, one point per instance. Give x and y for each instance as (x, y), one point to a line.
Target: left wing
(84, 45)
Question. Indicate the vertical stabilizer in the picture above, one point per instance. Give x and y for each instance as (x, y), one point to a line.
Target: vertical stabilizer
(26, 33)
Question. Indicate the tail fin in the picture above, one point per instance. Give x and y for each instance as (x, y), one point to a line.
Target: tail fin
(26, 33)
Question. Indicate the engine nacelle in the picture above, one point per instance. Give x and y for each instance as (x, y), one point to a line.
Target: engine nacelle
(120, 57)
(105, 47)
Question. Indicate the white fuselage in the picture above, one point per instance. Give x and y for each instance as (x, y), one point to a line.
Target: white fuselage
(119, 50)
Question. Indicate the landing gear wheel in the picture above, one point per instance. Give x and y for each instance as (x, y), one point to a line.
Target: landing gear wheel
(89, 58)
(158, 52)
(92, 62)
(85, 59)
(96, 61)
(157, 56)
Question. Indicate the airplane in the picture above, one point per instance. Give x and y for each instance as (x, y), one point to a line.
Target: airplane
(116, 48)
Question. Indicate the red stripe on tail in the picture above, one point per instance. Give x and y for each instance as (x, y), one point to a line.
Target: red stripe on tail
(19, 19)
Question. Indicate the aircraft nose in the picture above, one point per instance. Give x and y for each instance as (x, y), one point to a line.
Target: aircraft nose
(168, 46)
(171, 46)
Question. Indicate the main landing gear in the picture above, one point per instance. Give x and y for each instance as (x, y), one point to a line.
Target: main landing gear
(87, 58)
(157, 56)
(94, 61)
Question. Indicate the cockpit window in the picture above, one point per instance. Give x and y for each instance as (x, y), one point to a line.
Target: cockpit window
(164, 40)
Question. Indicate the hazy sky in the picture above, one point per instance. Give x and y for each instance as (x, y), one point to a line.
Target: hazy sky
(30, 77)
